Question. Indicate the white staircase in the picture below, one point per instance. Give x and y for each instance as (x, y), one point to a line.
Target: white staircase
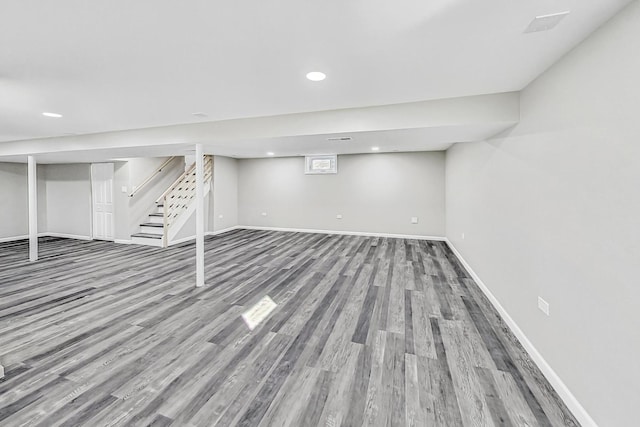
(152, 231)
(173, 208)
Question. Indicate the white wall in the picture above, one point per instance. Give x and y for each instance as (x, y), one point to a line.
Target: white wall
(41, 183)
(64, 197)
(552, 209)
(139, 206)
(377, 193)
(222, 199)
(225, 194)
(121, 222)
(68, 199)
(14, 214)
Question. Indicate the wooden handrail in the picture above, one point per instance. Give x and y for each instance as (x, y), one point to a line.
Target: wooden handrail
(150, 177)
(176, 183)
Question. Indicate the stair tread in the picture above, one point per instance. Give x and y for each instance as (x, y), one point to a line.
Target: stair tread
(151, 224)
(148, 235)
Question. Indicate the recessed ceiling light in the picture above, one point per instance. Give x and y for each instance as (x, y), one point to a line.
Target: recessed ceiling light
(56, 115)
(375, 148)
(271, 153)
(316, 76)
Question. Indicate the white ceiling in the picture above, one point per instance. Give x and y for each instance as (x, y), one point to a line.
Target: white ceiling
(114, 65)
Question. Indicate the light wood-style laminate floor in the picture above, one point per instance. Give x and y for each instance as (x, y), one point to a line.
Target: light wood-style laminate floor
(367, 331)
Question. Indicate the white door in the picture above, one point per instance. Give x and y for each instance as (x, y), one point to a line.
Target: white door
(102, 190)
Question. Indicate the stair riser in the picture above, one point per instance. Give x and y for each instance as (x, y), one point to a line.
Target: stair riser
(156, 219)
(152, 230)
(147, 242)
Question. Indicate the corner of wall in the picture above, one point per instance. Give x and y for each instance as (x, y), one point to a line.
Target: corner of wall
(554, 379)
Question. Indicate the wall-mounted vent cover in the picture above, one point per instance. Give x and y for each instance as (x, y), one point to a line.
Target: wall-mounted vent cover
(545, 22)
(340, 138)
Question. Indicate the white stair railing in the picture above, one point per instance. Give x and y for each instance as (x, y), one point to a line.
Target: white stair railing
(179, 196)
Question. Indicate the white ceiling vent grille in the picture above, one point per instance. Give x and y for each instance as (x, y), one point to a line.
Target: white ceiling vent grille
(339, 138)
(545, 22)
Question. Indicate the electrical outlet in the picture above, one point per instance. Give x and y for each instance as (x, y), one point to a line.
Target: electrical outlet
(263, 214)
(543, 306)
(414, 220)
(462, 236)
(339, 216)
(124, 189)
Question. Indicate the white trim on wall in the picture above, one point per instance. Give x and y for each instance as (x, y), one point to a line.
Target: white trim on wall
(346, 233)
(303, 230)
(224, 230)
(64, 236)
(556, 382)
(13, 239)
(208, 233)
(45, 234)
(182, 240)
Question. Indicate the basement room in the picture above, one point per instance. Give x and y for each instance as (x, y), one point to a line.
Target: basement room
(305, 214)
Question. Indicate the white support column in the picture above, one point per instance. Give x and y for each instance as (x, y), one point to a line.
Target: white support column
(33, 209)
(199, 216)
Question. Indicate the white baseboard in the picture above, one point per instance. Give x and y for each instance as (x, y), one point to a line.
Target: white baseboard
(46, 234)
(208, 233)
(346, 233)
(224, 230)
(183, 240)
(556, 382)
(13, 239)
(304, 230)
(123, 241)
(64, 236)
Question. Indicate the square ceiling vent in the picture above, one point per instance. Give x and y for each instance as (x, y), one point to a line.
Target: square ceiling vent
(545, 22)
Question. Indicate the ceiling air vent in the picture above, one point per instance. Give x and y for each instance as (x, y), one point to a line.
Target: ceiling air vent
(545, 22)
(340, 138)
